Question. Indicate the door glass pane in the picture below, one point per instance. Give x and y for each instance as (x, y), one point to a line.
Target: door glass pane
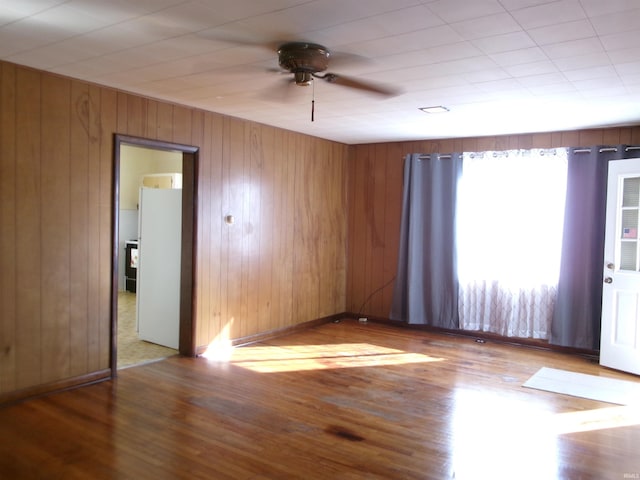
(630, 224)
(628, 252)
(631, 192)
(628, 233)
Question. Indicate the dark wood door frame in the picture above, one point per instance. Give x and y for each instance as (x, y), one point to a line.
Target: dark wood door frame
(187, 340)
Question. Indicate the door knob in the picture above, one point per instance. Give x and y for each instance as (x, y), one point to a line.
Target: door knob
(608, 280)
(610, 266)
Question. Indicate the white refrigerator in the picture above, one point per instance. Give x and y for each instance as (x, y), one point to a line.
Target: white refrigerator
(158, 279)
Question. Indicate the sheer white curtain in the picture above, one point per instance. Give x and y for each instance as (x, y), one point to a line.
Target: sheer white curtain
(509, 236)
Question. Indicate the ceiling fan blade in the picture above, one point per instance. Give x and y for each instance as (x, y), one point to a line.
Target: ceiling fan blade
(230, 36)
(341, 60)
(351, 82)
(282, 91)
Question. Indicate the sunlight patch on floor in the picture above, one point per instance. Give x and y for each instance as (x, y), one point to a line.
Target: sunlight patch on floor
(596, 419)
(221, 348)
(498, 433)
(494, 435)
(268, 359)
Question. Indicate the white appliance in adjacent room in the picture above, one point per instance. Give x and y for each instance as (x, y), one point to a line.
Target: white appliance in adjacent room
(162, 180)
(159, 250)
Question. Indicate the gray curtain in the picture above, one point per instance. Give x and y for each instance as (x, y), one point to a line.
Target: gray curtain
(576, 317)
(426, 286)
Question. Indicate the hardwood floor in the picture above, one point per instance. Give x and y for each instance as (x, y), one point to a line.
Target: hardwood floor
(340, 401)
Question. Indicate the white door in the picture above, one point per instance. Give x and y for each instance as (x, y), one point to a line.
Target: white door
(159, 249)
(620, 337)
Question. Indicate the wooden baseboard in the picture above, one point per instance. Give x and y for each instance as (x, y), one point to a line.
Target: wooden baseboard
(53, 387)
(486, 336)
(279, 332)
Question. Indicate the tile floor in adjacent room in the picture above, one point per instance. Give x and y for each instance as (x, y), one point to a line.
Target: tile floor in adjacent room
(131, 350)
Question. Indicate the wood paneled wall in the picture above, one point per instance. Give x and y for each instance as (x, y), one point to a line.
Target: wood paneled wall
(375, 202)
(282, 262)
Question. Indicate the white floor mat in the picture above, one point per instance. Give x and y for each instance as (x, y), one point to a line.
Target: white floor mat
(603, 389)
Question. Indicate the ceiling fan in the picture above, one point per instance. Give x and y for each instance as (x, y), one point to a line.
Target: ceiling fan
(307, 60)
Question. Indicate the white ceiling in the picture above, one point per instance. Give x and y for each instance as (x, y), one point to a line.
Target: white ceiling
(500, 66)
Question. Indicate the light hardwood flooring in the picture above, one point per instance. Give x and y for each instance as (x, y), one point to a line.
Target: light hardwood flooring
(132, 350)
(339, 401)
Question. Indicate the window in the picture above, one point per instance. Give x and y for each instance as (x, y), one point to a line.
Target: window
(510, 211)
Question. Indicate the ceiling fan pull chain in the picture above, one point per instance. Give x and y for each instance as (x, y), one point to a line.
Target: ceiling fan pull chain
(313, 99)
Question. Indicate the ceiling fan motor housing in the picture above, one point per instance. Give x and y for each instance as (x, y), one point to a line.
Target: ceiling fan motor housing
(303, 60)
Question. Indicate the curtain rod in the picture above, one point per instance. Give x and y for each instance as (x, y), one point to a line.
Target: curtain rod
(605, 149)
(426, 156)
(600, 150)
(577, 150)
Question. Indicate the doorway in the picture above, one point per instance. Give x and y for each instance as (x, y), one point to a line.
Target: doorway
(171, 158)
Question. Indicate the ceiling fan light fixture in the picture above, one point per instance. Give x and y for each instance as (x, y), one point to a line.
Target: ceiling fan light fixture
(302, 78)
(434, 109)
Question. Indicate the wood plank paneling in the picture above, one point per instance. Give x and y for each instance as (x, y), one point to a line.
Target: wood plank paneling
(217, 231)
(135, 115)
(79, 247)
(252, 205)
(307, 228)
(55, 228)
(236, 306)
(201, 136)
(284, 263)
(8, 228)
(368, 229)
(164, 122)
(28, 325)
(108, 120)
(122, 109)
(377, 222)
(591, 137)
(264, 272)
(151, 124)
(228, 237)
(334, 235)
(264, 165)
(357, 234)
(330, 235)
(394, 174)
(272, 264)
(95, 132)
(376, 173)
(182, 125)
